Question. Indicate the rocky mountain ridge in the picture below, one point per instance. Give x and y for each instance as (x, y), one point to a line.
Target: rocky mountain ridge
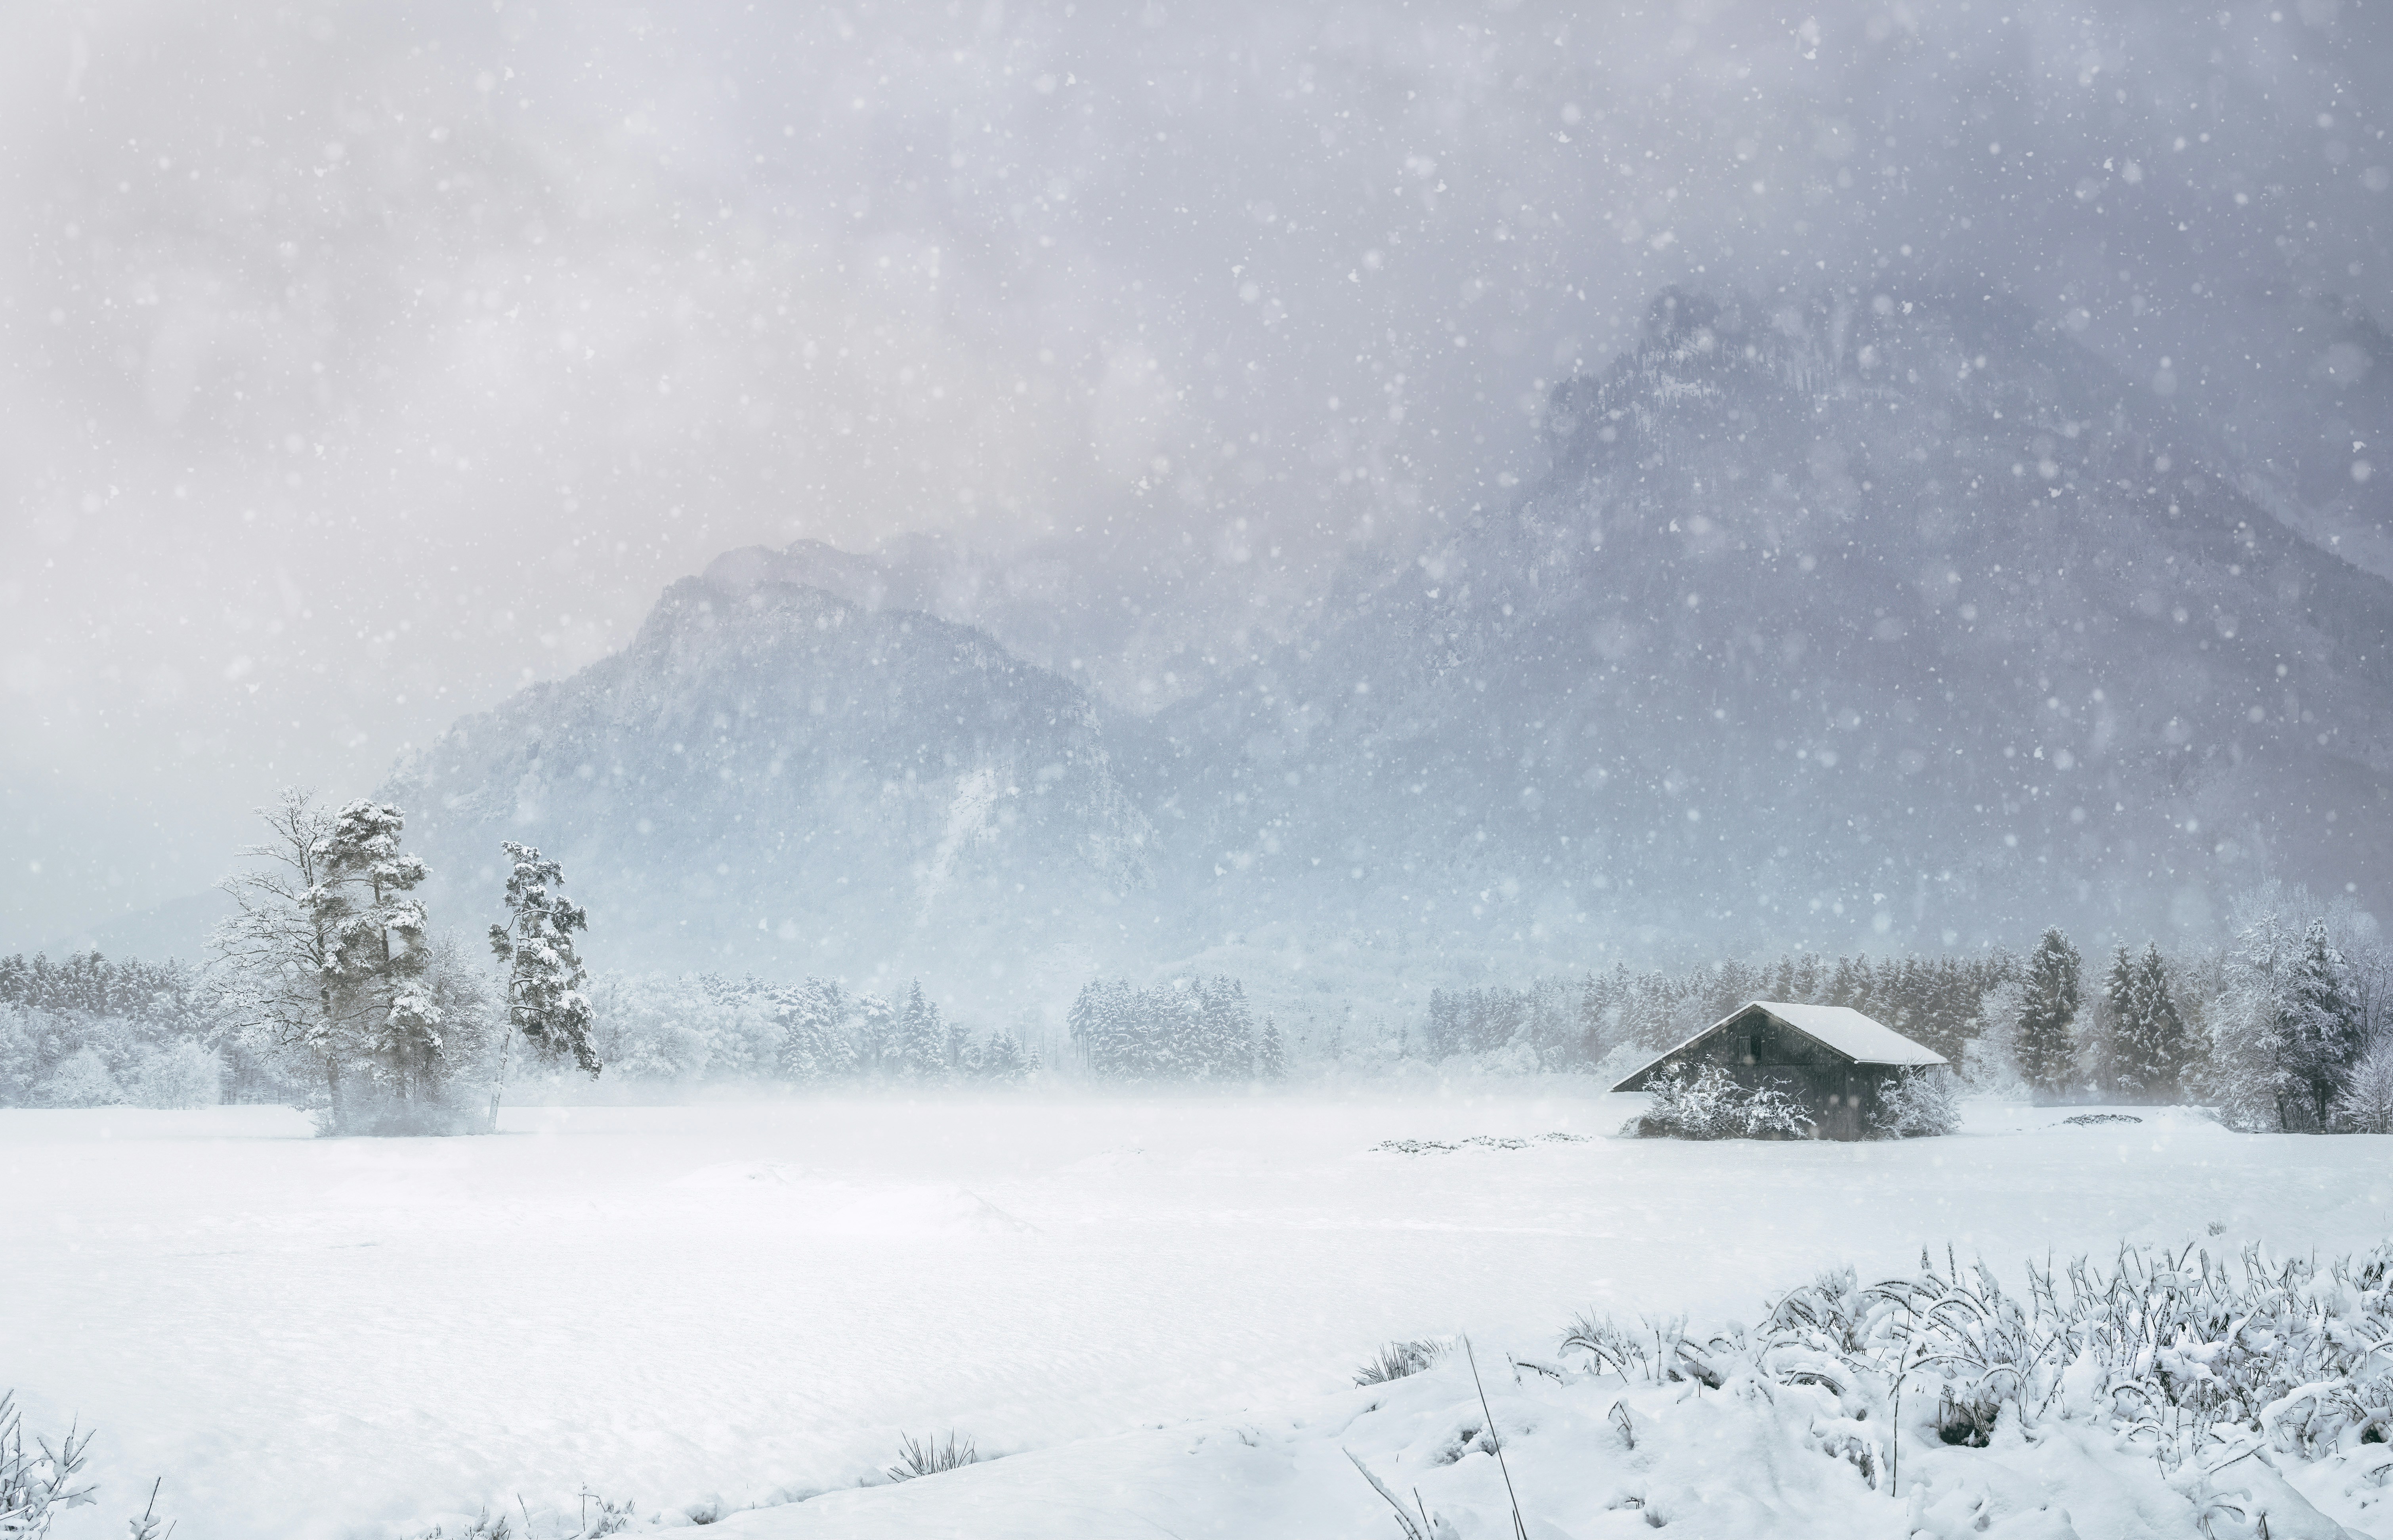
(1856, 620)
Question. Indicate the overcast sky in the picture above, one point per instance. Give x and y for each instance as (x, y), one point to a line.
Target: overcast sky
(361, 363)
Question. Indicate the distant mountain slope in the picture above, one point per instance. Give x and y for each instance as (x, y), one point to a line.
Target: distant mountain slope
(1850, 623)
(771, 775)
(1856, 622)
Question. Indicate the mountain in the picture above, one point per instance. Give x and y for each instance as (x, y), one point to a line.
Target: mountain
(1851, 622)
(1847, 622)
(2309, 414)
(773, 776)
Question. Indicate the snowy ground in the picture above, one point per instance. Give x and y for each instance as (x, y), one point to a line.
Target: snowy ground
(321, 1338)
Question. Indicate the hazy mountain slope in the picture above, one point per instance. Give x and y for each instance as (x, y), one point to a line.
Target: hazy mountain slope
(1909, 622)
(1851, 622)
(1137, 620)
(771, 777)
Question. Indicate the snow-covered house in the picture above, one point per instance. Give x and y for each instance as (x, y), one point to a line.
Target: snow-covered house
(1832, 1056)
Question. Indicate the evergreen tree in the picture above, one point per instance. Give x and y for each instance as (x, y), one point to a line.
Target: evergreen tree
(2151, 1037)
(546, 1001)
(1271, 1059)
(383, 954)
(1002, 1058)
(2047, 1014)
(814, 1045)
(917, 1045)
(2318, 1028)
(2103, 1057)
(876, 1034)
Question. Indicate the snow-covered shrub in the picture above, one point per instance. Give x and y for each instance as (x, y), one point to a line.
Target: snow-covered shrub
(1710, 1104)
(81, 1080)
(2366, 1104)
(484, 1525)
(1768, 1111)
(1917, 1103)
(929, 1457)
(36, 1487)
(2193, 1360)
(2175, 1352)
(182, 1075)
(1396, 1360)
(1687, 1106)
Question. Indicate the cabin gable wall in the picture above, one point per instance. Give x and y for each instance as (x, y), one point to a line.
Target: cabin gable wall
(1754, 1047)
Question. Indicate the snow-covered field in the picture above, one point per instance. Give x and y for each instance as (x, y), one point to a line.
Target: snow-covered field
(347, 1337)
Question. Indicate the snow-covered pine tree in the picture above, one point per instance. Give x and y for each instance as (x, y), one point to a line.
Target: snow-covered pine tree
(815, 1044)
(918, 1049)
(2101, 1058)
(2047, 1014)
(2320, 1029)
(1164, 1032)
(2151, 1039)
(1001, 1058)
(1082, 1025)
(1271, 1057)
(383, 960)
(1239, 1045)
(546, 1001)
(875, 1034)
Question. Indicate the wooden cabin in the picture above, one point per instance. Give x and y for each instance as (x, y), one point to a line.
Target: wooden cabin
(1831, 1056)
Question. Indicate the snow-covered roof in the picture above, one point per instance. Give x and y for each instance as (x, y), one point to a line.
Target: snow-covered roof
(1849, 1033)
(1839, 1027)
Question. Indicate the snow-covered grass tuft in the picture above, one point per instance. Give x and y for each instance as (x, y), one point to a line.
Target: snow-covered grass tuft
(1396, 1360)
(36, 1487)
(1614, 1348)
(2196, 1361)
(485, 1525)
(928, 1456)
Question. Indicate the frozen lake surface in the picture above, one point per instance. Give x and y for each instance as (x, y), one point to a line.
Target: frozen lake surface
(345, 1338)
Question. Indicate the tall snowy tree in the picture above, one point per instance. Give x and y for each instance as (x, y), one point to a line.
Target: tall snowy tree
(918, 1047)
(1271, 1057)
(1002, 1058)
(2099, 1056)
(2048, 1002)
(2366, 1104)
(814, 1042)
(2150, 1040)
(2318, 1028)
(384, 954)
(545, 998)
(2248, 1078)
(283, 956)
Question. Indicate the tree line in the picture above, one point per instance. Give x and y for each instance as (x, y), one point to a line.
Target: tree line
(703, 1026)
(1605, 1017)
(1188, 1029)
(327, 988)
(2286, 1025)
